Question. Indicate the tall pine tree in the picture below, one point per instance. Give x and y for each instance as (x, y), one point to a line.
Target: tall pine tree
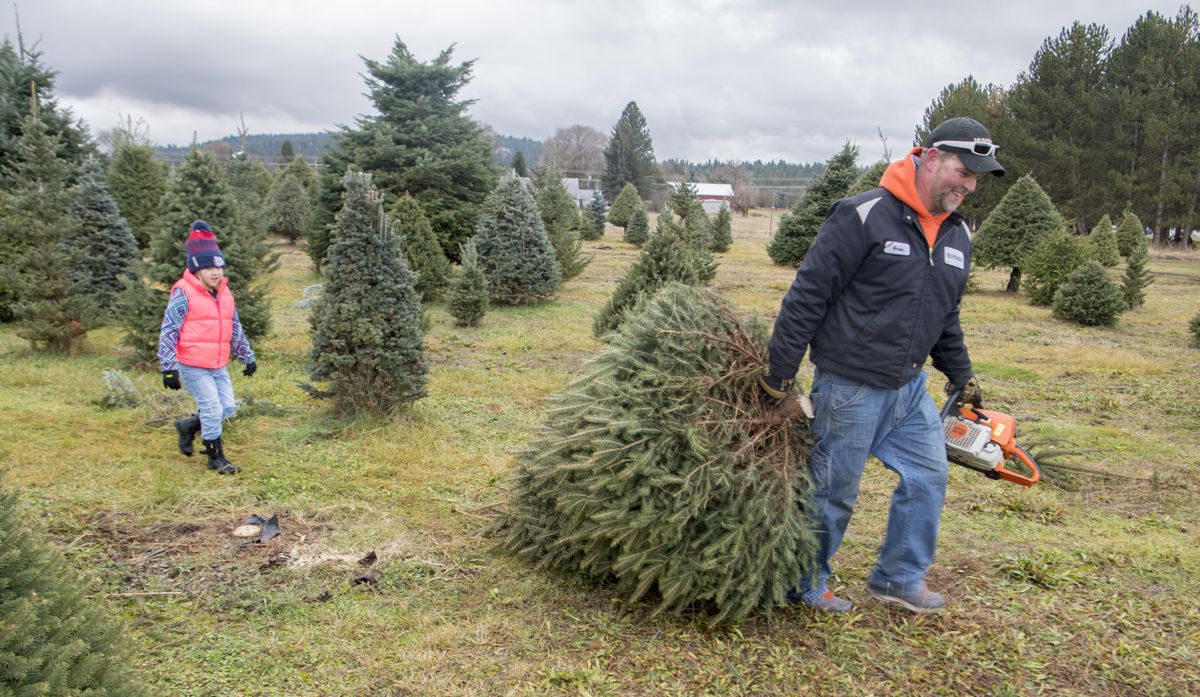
(421, 141)
(629, 156)
(366, 328)
(798, 229)
(516, 255)
(1023, 216)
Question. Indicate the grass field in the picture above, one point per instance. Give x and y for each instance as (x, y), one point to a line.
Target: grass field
(1092, 588)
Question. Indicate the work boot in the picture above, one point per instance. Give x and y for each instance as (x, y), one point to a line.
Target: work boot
(216, 457)
(920, 600)
(824, 602)
(187, 427)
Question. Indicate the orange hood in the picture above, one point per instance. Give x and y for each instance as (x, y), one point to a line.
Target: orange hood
(900, 178)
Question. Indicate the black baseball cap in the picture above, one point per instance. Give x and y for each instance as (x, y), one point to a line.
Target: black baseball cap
(970, 141)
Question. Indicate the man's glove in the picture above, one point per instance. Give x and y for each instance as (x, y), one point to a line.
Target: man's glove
(787, 405)
(968, 392)
(171, 379)
(249, 369)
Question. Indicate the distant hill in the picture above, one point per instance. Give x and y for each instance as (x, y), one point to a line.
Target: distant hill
(507, 146)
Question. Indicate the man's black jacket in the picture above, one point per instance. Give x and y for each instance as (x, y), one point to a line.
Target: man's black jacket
(871, 300)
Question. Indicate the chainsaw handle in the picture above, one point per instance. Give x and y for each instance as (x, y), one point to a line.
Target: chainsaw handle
(1008, 475)
(951, 403)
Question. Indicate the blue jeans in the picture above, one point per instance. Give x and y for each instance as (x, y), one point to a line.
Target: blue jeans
(901, 428)
(213, 392)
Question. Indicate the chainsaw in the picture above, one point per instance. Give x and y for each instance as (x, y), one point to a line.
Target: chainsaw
(985, 441)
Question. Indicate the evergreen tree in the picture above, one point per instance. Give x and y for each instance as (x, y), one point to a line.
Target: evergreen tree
(1103, 243)
(1194, 329)
(421, 248)
(697, 226)
(666, 257)
(469, 290)
(660, 468)
(682, 198)
(638, 229)
(1015, 225)
(559, 216)
(629, 156)
(1054, 257)
(701, 257)
(290, 211)
(593, 228)
(42, 278)
(1131, 234)
(798, 229)
(57, 639)
(1137, 277)
(722, 231)
(516, 255)
(287, 152)
(299, 169)
(366, 327)
(1088, 297)
(422, 142)
(1062, 117)
(625, 204)
(869, 179)
(250, 183)
(109, 252)
(27, 87)
(137, 180)
(518, 164)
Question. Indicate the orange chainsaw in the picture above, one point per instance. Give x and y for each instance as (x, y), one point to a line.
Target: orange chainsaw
(985, 441)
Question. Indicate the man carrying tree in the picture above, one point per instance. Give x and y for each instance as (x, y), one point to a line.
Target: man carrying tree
(877, 294)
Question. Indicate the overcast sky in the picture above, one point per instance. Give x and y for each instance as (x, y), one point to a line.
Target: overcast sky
(769, 79)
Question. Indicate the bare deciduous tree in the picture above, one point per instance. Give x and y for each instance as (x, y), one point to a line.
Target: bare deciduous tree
(576, 151)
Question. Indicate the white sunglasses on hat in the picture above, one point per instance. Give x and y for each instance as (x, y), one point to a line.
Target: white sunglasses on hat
(979, 148)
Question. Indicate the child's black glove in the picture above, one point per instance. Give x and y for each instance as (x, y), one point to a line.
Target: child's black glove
(171, 379)
(249, 369)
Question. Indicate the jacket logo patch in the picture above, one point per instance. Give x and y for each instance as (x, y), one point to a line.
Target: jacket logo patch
(955, 258)
(898, 248)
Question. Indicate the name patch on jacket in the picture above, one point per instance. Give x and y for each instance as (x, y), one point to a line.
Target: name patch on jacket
(955, 258)
(900, 249)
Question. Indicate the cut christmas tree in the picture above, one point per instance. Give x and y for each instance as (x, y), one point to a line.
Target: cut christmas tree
(659, 468)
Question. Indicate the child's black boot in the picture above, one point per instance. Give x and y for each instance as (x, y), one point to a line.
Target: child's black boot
(187, 427)
(216, 457)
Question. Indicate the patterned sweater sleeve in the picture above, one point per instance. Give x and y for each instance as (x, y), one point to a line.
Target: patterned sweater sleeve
(240, 346)
(168, 336)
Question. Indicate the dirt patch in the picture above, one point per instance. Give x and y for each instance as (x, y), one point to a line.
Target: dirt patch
(191, 557)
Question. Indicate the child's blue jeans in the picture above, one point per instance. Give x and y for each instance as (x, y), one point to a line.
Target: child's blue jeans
(900, 427)
(213, 392)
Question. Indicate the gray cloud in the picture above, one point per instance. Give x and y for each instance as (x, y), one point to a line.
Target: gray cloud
(750, 79)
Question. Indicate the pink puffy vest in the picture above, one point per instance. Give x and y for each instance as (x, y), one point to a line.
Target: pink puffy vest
(207, 331)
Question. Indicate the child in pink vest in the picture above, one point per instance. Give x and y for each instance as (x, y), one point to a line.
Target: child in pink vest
(200, 332)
